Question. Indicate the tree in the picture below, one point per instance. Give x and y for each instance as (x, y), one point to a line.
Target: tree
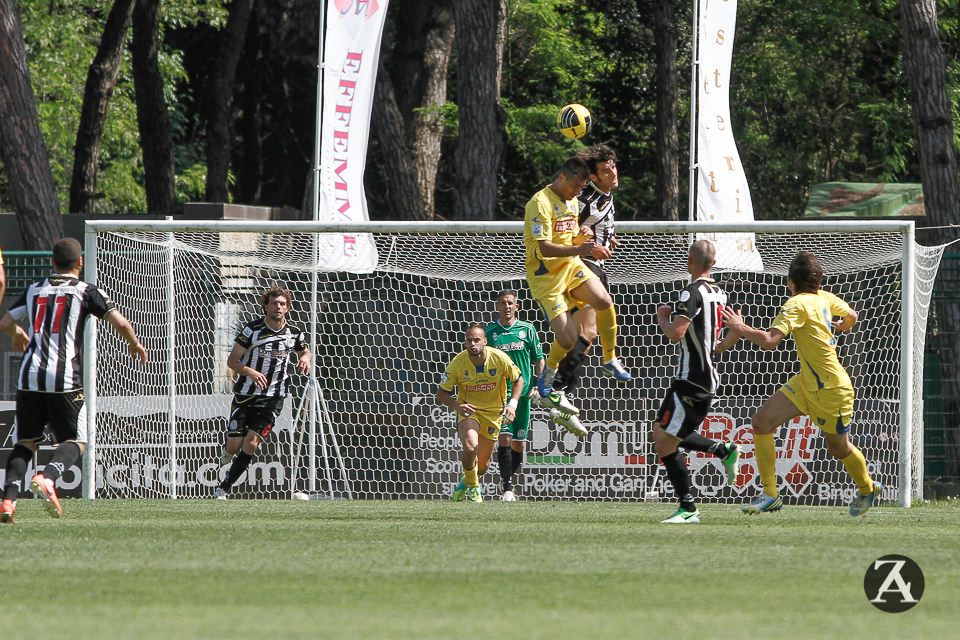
(219, 99)
(21, 144)
(408, 104)
(152, 119)
(668, 147)
(480, 33)
(101, 80)
(925, 66)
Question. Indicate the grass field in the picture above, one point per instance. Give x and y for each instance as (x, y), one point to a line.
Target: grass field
(261, 569)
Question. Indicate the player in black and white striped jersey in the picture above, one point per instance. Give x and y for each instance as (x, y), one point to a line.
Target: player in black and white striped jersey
(50, 383)
(696, 325)
(597, 223)
(261, 358)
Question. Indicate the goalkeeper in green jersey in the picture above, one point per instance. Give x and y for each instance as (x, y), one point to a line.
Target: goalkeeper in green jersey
(519, 340)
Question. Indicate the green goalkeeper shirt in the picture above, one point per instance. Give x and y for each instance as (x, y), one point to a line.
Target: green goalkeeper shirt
(520, 342)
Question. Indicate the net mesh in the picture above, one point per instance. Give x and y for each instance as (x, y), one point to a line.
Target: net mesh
(384, 337)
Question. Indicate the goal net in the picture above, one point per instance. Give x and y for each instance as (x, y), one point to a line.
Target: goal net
(385, 307)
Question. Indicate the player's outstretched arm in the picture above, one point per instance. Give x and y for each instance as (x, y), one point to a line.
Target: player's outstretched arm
(10, 327)
(764, 339)
(728, 341)
(846, 322)
(125, 329)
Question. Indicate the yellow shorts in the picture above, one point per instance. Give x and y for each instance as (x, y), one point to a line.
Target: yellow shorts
(489, 422)
(552, 290)
(830, 409)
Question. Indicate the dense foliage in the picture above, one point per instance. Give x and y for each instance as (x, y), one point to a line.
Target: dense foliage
(819, 94)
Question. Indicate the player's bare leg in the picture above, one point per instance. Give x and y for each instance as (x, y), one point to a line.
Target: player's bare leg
(564, 329)
(774, 412)
(839, 446)
(595, 294)
(474, 450)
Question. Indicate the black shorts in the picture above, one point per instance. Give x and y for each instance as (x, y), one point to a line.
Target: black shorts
(684, 408)
(599, 271)
(65, 413)
(253, 413)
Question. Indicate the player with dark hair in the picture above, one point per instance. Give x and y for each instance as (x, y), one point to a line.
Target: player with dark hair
(822, 390)
(480, 375)
(50, 383)
(519, 340)
(557, 276)
(597, 223)
(261, 357)
(696, 326)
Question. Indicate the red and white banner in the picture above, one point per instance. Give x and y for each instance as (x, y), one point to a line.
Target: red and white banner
(351, 56)
(723, 194)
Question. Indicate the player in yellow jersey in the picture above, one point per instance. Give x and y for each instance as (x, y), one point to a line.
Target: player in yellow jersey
(480, 375)
(822, 389)
(557, 276)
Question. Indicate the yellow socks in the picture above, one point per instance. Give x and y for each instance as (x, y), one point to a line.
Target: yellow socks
(556, 355)
(607, 328)
(856, 466)
(765, 452)
(470, 477)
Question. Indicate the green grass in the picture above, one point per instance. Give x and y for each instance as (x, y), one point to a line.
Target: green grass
(364, 569)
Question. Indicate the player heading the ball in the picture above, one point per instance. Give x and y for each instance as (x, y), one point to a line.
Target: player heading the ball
(557, 276)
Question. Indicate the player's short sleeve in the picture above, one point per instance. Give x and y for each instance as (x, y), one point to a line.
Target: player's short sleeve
(838, 306)
(538, 218)
(790, 318)
(301, 342)
(690, 303)
(245, 337)
(96, 302)
(533, 340)
(511, 370)
(450, 377)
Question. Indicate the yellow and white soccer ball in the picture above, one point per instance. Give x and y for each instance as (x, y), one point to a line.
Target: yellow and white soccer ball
(574, 120)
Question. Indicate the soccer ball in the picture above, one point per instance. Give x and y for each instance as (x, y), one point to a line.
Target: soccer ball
(574, 120)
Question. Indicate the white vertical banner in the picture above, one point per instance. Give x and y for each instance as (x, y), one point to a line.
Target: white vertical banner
(723, 194)
(351, 57)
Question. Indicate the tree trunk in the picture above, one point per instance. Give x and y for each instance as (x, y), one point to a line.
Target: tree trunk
(482, 140)
(152, 110)
(21, 143)
(250, 169)
(101, 80)
(926, 73)
(219, 99)
(925, 67)
(407, 105)
(405, 196)
(667, 145)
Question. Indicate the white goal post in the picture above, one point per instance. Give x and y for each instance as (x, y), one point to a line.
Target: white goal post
(384, 305)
